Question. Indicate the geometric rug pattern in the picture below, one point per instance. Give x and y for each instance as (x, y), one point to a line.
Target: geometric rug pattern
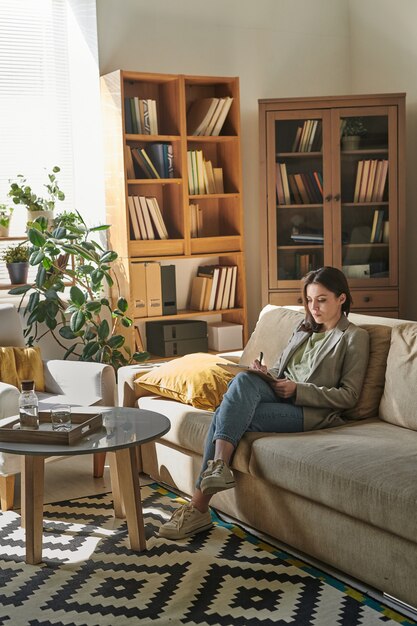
(225, 576)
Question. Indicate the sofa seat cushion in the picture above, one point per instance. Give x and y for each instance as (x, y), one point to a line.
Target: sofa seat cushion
(366, 470)
(189, 427)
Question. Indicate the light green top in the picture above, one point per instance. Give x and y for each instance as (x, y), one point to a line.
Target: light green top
(302, 361)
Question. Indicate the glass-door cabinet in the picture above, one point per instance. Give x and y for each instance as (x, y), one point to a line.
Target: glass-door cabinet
(332, 193)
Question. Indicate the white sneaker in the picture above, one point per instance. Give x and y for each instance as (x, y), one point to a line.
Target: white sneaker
(217, 477)
(184, 522)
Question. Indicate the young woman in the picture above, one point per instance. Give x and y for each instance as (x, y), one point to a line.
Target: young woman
(320, 373)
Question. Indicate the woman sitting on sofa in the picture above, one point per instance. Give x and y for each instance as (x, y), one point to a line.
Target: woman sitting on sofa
(320, 373)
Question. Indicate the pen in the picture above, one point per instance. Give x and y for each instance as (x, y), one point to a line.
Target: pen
(261, 356)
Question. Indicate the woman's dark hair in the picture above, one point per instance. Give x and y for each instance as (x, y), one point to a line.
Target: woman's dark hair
(333, 280)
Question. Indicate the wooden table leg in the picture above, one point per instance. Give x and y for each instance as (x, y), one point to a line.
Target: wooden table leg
(99, 459)
(32, 506)
(128, 481)
(119, 509)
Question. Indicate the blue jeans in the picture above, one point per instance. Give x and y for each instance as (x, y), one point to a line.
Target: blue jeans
(250, 405)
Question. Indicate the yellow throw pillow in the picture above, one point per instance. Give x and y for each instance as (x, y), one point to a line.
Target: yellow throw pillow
(29, 365)
(192, 379)
(8, 372)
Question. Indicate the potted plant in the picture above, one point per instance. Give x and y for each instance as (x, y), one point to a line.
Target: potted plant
(68, 297)
(37, 206)
(16, 258)
(353, 130)
(5, 217)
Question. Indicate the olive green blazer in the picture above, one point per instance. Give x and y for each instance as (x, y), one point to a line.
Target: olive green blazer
(336, 379)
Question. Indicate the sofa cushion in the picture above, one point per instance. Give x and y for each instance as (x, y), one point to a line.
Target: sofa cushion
(364, 469)
(8, 372)
(398, 403)
(373, 385)
(193, 379)
(272, 332)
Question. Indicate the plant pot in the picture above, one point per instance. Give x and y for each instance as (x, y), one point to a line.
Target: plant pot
(351, 142)
(49, 215)
(18, 272)
(4, 231)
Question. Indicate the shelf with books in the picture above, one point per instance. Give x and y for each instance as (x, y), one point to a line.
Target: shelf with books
(360, 207)
(172, 237)
(213, 167)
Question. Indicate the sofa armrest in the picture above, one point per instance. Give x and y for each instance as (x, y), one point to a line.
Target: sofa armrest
(9, 400)
(128, 392)
(82, 382)
(231, 356)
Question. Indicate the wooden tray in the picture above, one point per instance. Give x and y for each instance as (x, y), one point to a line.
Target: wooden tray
(81, 425)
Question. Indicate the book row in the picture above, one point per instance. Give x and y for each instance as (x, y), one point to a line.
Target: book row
(298, 188)
(154, 161)
(371, 178)
(196, 221)
(140, 116)
(203, 178)
(214, 288)
(308, 137)
(380, 227)
(154, 288)
(206, 116)
(146, 218)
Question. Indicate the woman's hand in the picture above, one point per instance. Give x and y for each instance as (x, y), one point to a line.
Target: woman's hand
(257, 365)
(284, 388)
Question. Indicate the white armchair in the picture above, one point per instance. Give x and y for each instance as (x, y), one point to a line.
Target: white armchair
(73, 382)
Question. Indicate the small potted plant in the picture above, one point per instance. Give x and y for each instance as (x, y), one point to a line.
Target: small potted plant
(37, 206)
(5, 217)
(16, 258)
(353, 130)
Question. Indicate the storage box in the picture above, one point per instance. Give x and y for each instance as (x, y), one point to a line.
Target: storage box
(225, 336)
(176, 338)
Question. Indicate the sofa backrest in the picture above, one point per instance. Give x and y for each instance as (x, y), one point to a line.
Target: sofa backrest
(274, 328)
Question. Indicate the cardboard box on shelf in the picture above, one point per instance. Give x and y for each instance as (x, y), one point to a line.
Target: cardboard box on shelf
(225, 336)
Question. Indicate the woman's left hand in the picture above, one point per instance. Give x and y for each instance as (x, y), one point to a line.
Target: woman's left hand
(284, 388)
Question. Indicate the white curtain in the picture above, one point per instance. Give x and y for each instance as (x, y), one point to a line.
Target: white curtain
(49, 103)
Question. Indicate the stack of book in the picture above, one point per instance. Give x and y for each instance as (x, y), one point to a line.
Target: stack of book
(141, 116)
(308, 137)
(379, 231)
(302, 188)
(146, 218)
(196, 221)
(203, 178)
(307, 236)
(371, 178)
(154, 161)
(214, 288)
(207, 115)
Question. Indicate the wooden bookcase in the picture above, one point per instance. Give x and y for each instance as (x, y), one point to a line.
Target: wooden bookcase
(337, 210)
(222, 241)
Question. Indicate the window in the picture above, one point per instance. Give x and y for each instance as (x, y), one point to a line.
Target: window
(49, 105)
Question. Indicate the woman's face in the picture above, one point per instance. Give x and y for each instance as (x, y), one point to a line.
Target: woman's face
(324, 305)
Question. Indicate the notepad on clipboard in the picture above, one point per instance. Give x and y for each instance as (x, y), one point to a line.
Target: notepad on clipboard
(235, 368)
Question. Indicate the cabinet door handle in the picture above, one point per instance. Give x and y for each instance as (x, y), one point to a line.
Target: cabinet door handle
(366, 299)
(300, 300)
(329, 197)
(337, 197)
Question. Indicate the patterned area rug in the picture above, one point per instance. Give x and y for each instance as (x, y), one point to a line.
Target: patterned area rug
(222, 577)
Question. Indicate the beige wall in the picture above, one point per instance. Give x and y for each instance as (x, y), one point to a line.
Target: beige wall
(383, 53)
(278, 48)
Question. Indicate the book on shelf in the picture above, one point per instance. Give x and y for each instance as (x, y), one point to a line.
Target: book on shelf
(206, 116)
(305, 139)
(198, 292)
(150, 234)
(314, 237)
(285, 185)
(161, 157)
(130, 168)
(168, 290)
(156, 215)
(377, 226)
(302, 189)
(146, 168)
(371, 177)
(196, 221)
(279, 185)
(140, 116)
(134, 221)
(212, 272)
(203, 178)
(141, 219)
(294, 193)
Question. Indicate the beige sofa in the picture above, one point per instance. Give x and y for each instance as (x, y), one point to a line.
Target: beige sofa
(346, 495)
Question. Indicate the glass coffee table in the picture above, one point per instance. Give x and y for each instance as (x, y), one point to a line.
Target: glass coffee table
(123, 430)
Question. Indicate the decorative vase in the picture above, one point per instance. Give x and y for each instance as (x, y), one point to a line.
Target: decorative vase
(18, 272)
(49, 215)
(351, 142)
(4, 231)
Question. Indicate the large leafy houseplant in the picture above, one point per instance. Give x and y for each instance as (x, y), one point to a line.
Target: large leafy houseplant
(69, 253)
